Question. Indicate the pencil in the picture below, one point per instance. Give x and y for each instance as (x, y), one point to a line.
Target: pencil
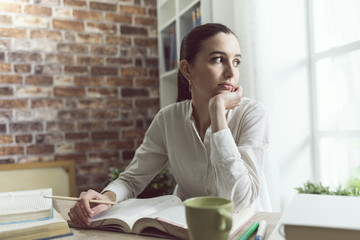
(78, 199)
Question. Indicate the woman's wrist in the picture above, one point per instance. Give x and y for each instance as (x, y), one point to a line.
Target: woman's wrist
(109, 195)
(217, 114)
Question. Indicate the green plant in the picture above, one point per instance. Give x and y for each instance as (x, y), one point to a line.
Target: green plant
(318, 188)
(162, 184)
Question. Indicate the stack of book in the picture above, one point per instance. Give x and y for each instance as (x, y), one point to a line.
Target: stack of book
(28, 215)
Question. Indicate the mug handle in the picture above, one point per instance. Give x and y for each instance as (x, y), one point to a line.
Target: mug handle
(224, 220)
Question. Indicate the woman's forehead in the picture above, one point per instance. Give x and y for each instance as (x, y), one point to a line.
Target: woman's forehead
(223, 42)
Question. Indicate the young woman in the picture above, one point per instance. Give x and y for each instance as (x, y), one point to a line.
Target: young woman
(213, 138)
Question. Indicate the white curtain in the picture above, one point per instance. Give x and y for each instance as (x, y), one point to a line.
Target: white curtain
(273, 40)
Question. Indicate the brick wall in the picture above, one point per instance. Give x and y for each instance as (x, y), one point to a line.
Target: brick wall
(78, 80)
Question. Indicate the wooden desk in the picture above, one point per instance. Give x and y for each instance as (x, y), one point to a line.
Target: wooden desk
(63, 208)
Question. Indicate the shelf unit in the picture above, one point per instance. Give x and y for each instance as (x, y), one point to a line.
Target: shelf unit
(174, 16)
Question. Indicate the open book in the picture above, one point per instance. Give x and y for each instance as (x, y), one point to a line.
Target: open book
(160, 216)
(23, 206)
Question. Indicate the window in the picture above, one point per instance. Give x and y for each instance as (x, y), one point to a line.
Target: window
(334, 30)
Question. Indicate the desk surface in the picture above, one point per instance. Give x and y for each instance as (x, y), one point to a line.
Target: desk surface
(63, 208)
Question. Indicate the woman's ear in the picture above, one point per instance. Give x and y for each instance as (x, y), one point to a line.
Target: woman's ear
(185, 69)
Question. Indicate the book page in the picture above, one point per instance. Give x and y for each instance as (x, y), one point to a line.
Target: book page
(133, 209)
(25, 205)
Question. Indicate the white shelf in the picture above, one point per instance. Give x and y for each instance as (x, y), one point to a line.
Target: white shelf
(174, 13)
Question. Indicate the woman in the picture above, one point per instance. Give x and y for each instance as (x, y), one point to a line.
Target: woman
(213, 138)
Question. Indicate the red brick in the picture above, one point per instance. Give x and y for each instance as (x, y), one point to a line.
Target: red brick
(37, 10)
(60, 126)
(89, 15)
(68, 25)
(133, 10)
(91, 126)
(147, 103)
(115, 81)
(89, 38)
(40, 149)
(72, 48)
(101, 28)
(120, 61)
(75, 69)
(13, 104)
(77, 136)
(103, 6)
(39, 80)
(134, 92)
(118, 40)
(85, 103)
(78, 158)
(10, 7)
(104, 135)
(6, 92)
(75, 3)
(90, 61)
(146, 21)
(108, 71)
(122, 144)
(24, 57)
(103, 92)
(73, 115)
(11, 150)
(24, 138)
(120, 124)
(13, 32)
(47, 103)
(105, 114)
(59, 58)
(130, 30)
(69, 92)
(46, 34)
(119, 103)
(104, 50)
(89, 146)
(146, 42)
(6, 139)
(22, 68)
(133, 133)
(88, 81)
(5, 67)
(134, 72)
(119, 18)
(146, 82)
(10, 79)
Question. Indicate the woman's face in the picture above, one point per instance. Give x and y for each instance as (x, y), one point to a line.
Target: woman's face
(216, 66)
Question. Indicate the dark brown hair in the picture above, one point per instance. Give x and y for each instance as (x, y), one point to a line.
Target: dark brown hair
(190, 46)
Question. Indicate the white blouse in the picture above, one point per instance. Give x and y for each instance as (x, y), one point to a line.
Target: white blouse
(228, 160)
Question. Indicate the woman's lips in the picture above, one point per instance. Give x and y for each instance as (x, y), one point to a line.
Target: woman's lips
(226, 86)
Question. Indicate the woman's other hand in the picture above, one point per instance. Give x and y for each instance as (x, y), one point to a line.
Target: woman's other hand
(83, 210)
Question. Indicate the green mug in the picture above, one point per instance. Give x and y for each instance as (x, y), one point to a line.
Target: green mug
(209, 218)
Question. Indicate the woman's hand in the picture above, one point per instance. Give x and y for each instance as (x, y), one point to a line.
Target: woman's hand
(219, 103)
(82, 211)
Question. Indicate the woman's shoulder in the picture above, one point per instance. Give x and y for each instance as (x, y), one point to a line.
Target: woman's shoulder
(176, 109)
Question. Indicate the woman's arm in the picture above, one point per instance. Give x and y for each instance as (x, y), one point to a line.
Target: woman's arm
(238, 162)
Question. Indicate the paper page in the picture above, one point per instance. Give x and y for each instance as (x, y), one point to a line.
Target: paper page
(134, 209)
(14, 206)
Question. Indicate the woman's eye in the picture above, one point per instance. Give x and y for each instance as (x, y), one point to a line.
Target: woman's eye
(217, 59)
(237, 63)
